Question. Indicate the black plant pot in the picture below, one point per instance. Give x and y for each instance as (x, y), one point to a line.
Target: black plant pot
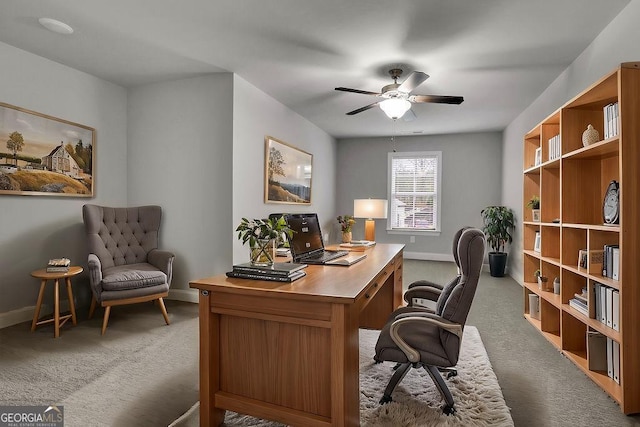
(497, 263)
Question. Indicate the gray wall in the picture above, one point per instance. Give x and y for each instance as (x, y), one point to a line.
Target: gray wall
(471, 180)
(36, 228)
(617, 43)
(180, 146)
(256, 115)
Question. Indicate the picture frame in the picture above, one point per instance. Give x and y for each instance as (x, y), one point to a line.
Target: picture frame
(287, 173)
(42, 155)
(538, 158)
(537, 242)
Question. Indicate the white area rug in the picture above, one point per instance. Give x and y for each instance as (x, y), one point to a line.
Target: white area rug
(416, 401)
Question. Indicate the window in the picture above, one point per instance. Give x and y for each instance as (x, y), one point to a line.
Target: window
(414, 191)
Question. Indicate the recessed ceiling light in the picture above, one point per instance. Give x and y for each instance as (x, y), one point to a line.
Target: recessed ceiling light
(55, 26)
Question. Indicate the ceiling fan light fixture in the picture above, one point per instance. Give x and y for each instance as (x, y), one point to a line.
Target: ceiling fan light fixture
(395, 108)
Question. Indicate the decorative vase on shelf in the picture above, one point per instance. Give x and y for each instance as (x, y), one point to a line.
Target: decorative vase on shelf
(262, 252)
(346, 237)
(590, 136)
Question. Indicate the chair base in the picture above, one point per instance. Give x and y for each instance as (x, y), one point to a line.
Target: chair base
(108, 304)
(401, 370)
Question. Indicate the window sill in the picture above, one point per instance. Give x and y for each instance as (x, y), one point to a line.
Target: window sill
(414, 232)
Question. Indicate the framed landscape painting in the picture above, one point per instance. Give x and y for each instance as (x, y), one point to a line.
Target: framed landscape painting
(287, 173)
(45, 156)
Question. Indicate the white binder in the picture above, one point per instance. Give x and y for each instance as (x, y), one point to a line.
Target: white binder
(615, 310)
(615, 267)
(616, 361)
(609, 307)
(609, 357)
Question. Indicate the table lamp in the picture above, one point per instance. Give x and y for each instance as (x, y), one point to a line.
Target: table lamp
(370, 209)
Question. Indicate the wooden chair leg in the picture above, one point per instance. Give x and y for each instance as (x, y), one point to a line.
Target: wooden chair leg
(105, 320)
(36, 314)
(164, 310)
(93, 306)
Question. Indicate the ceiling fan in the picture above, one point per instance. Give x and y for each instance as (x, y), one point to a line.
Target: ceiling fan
(398, 98)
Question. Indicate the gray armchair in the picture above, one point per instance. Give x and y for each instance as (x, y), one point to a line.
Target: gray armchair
(417, 338)
(125, 266)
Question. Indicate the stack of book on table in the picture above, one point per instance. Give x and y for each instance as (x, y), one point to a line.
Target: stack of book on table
(358, 245)
(278, 272)
(58, 265)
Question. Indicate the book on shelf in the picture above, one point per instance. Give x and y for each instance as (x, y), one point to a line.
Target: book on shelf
(579, 305)
(58, 265)
(282, 269)
(611, 117)
(273, 278)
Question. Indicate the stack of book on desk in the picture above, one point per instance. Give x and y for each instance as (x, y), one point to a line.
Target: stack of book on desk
(278, 272)
(358, 245)
(58, 265)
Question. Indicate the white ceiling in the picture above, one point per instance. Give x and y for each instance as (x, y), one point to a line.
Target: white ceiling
(498, 54)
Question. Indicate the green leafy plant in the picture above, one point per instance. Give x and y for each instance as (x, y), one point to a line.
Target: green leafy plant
(534, 202)
(346, 222)
(499, 223)
(252, 230)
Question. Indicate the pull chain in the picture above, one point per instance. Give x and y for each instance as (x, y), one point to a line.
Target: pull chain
(393, 136)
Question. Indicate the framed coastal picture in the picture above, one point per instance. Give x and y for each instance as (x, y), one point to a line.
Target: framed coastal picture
(44, 155)
(287, 173)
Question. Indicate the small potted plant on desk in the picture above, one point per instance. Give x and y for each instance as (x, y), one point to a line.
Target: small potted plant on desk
(262, 234)
(534, 204)
(499, 223)
(346, 222)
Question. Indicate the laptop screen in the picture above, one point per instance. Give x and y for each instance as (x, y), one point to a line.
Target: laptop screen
(307, 236)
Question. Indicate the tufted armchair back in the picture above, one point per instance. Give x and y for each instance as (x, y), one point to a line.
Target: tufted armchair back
(120, 236)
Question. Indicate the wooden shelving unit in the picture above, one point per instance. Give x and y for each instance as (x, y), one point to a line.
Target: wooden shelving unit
(571, 190)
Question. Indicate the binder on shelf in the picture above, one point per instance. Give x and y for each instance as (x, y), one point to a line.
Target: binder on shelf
(615, 263)
(616, 361)
(615, 310)
(603, 304)
(596, 300)
(609, 307)
(610, 357)
(596, 351)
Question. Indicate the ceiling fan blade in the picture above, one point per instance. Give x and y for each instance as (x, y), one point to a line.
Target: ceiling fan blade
(364, 92)
(437, 99)
(414, 80)
(360, 110)
(409, 116)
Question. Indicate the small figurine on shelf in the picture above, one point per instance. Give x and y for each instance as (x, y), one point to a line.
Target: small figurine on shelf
(556, 286)
(590, 136)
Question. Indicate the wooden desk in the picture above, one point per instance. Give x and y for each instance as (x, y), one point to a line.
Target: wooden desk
(289, 352)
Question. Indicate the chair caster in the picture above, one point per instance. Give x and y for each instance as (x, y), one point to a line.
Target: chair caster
(452, 373)
(397, 366)
(385, 399)
(448, 410)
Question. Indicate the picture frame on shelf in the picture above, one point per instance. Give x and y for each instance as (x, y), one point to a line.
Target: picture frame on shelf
(537, 242)
(538, 157)
(287, 173)
(42, 155)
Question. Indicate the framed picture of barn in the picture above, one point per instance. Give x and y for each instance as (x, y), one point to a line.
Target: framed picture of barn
(287, 173)
(44, 155)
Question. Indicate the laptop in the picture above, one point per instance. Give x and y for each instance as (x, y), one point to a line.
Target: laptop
(306, 243)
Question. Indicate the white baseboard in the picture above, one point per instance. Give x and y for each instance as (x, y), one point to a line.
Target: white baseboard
(426, 256)
(186, 295)
(25, 314)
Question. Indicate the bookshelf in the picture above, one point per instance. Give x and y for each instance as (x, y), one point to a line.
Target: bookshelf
(571, 188)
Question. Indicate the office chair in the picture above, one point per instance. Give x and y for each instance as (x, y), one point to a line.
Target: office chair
(125, 266)
(430, 291)
(419, 339)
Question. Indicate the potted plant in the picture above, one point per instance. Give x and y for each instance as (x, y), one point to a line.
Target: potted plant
(542, 280)
(534, 204)
(346, 222)
(261, 234)
(499, 223)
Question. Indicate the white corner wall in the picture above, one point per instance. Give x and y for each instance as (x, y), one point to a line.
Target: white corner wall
(617, 43)
(34, 229)
(256, 115)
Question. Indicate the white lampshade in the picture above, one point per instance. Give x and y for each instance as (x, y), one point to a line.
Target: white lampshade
(370, 208)
(395, 108)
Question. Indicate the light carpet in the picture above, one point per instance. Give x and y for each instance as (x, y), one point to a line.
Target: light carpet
(416, 401)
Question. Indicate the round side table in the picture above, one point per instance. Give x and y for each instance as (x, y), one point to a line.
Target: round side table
(57, 320)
